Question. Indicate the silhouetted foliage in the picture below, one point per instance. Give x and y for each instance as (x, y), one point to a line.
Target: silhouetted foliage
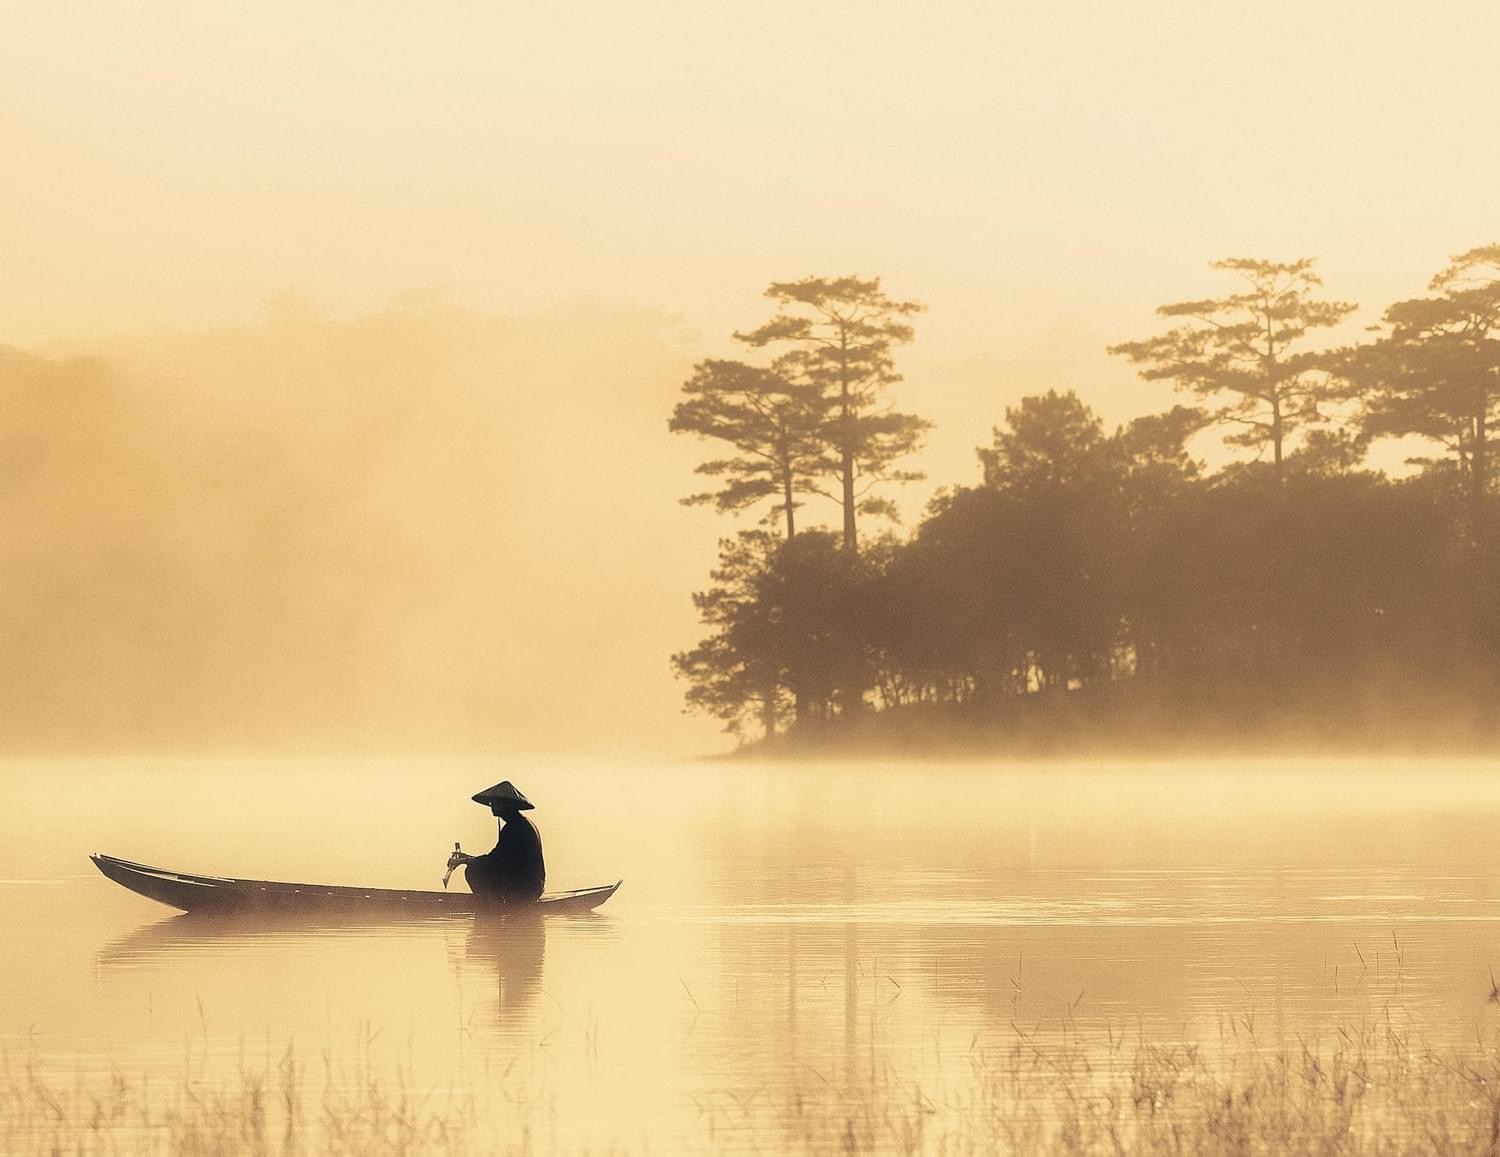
(771, 420)
(786, 617)
(1101, 578)
(1435, 372)
(736, 672)
(1242, 346)
(842, 331)
(1050, 440)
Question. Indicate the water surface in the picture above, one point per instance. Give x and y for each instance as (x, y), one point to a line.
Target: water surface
(779, 926)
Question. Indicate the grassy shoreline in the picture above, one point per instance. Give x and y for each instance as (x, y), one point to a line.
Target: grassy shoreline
(1151, 721)
(1363, 1089)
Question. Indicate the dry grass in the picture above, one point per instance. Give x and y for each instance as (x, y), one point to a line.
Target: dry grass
(264, 1110)
(1364, 1090)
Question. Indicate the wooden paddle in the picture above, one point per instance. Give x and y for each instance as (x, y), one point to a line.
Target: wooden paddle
(453, 861)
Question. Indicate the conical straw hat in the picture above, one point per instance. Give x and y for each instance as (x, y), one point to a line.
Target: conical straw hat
(503, 792)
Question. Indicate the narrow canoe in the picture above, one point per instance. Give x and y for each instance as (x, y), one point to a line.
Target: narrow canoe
(223, 894)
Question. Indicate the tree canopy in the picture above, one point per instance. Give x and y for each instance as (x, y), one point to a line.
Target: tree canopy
(1435, 370)
(840, 334)
(1105, 578)
(773, 423)
(1245, 350)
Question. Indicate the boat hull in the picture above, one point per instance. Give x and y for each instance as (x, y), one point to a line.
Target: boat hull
(220, 894)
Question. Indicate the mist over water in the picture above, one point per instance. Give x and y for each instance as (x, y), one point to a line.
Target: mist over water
(774, 923)
(1117, 381)
(374, 534)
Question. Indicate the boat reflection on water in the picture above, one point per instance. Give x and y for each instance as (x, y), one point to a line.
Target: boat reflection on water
(514, 945)
(494, 962)
(186, 933)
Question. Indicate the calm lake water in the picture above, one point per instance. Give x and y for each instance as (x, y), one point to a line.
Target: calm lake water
(778, 926)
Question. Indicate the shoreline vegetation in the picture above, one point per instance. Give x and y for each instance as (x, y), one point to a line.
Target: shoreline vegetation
(1132, 721)
(1367, 1088)
(1101, 591)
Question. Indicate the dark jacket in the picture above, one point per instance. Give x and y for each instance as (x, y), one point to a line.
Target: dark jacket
(513, 872)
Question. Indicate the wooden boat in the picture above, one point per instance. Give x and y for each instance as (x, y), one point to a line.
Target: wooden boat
(223, 894)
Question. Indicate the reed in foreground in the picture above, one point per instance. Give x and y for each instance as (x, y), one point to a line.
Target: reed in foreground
(1366, 1089)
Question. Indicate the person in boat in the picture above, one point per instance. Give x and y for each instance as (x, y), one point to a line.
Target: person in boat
(513, 872)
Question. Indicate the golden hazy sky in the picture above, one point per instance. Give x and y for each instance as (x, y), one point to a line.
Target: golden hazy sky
(1042, 174)
(1021, 166)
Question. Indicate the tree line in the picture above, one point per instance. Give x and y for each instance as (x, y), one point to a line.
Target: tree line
(1108, 567)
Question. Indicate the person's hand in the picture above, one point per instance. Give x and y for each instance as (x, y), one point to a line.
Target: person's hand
(457, 859)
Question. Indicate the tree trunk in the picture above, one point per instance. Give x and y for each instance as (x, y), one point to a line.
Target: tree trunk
(1269, 364)
(1479, 462)
(786, 492)
(851, 543)
(1276, 438)
(846, 446)
(768, 713)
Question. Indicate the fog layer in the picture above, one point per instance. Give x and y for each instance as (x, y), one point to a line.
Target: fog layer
(400, 530)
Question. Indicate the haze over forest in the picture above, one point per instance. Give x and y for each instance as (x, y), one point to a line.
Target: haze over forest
(339, 345)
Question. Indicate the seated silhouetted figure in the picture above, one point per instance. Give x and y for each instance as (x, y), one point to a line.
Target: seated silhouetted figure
(512, 873)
